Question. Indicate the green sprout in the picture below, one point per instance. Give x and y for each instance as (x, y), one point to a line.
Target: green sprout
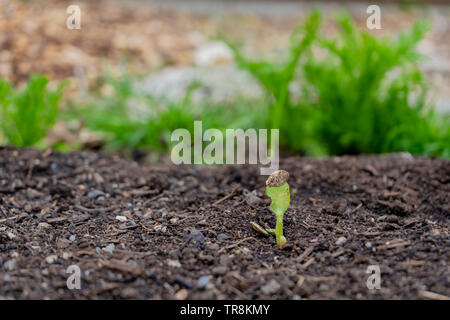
(277, 189)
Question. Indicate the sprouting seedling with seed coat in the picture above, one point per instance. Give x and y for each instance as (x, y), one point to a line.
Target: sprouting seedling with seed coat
(277, 189)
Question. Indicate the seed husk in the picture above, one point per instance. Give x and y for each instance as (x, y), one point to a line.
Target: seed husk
(277, 178)
(258, 228)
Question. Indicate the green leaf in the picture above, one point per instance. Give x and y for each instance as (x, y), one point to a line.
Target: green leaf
(280, 198)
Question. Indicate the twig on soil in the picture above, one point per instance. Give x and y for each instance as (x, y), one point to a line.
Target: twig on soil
(139, 192)
(238, 293)
(432, 296)
(305, 253)
(305, 225)
(58, 219)
(105, 286)
(357, 207)
(156, 197)
(30, 170)
(95, 210)
(152, 232)
(370, 234)
(396, 243)
(319, 279)
(121, 266)
(236, 244)
(227, 196)
(308, 263)
(10, 218)
(371, 169)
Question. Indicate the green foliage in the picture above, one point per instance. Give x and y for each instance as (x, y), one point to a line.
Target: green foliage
(365, 96)
(275, 79)
(169, 116)
(371, 96)
(110, 114)
(27, 115)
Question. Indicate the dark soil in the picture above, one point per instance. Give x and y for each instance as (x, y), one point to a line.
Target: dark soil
(189, 223)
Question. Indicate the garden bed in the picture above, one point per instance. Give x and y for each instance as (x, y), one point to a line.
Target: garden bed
(187, 232)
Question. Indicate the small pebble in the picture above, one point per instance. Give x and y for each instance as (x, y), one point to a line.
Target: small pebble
(121, 218)
(341, 240)
(51, 259)
(202, 282)
(160, 228)
(174, 263)
(109, 248)
(11, 235)
(10, 265)
(181, 294)
(271, 287)
(183, 281)
(222, 236)
(199, 238)
(173, 220)
(43, 226)
(95, 194)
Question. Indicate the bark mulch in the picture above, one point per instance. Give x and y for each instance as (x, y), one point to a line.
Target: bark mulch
(172, 232)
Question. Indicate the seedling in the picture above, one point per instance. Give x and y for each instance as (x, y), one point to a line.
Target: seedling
(277, 189)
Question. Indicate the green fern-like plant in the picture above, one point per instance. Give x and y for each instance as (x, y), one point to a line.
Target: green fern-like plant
(27, 115)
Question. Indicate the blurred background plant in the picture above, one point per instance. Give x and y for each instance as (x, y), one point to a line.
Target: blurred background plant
(26, 115)
(276, 78)
(371, 97)
(329, 94)
(366, 95)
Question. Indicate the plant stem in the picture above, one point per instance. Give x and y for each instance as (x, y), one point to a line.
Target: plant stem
(279, 230)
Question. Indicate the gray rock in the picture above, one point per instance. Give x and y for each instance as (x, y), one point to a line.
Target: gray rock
(271, 287)
(51, 258)
(197, 235)
(222, 236)
(253, 199)
(183, 281)
(10, 265)
(341, 240)
(43, 226)
(109, 248)
(202, 282)
(94, 194)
